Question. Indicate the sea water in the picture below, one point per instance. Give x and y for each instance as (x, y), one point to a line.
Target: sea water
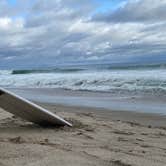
(121, 79)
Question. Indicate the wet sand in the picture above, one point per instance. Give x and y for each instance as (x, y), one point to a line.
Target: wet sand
(146, 103)
(98, 138)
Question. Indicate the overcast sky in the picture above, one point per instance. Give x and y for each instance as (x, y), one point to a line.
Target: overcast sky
(49, 32)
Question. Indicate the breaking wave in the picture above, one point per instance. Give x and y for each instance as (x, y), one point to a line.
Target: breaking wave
(116, 81)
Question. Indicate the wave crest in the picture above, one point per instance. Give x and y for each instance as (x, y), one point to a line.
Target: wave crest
(151, 81)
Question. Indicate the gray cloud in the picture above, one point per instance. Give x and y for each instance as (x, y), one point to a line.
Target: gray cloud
(136, 11)
(59, 31)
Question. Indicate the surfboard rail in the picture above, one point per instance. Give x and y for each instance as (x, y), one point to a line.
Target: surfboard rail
(28, 110)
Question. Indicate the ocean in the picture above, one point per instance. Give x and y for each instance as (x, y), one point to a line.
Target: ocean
(121, 79)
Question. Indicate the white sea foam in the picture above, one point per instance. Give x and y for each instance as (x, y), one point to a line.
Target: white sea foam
(5, 72)
(153, 81)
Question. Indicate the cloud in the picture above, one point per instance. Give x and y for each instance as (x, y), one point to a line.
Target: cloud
(136, 11)
(43, 33)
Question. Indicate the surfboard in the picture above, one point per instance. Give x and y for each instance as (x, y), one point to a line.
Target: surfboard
(28, 110)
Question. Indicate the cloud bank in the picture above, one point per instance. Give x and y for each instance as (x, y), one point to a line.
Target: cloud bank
(39, 33)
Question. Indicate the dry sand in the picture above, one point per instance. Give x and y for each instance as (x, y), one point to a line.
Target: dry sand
(98, 138)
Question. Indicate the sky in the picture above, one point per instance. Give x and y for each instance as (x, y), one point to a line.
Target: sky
(38, 33)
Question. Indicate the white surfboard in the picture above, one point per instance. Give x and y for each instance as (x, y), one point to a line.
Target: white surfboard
(27, 110)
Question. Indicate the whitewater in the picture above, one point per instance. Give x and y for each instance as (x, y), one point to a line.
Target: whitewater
(133, 80)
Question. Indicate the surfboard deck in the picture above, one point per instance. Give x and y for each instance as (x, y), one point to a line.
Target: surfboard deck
(28, 110)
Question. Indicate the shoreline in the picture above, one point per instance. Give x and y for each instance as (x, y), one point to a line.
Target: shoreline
(142, 118)
(99, 136)
(101, 100)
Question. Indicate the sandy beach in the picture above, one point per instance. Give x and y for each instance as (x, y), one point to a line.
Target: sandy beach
(98, 67)
(98, 138)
